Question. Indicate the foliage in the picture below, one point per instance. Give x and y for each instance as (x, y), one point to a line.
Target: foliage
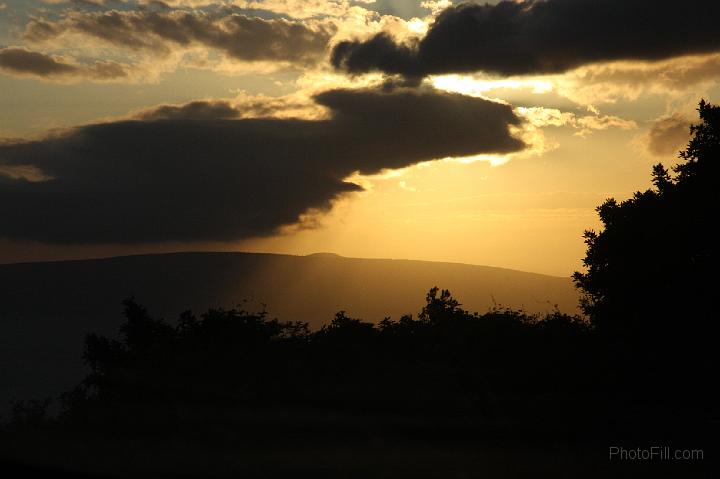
(652, 265)
(158, 376)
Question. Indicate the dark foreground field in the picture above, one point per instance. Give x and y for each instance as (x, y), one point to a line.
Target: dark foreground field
(351, 447)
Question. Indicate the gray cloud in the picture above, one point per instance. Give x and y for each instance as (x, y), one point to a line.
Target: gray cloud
(541, 36)
(669, 135)
(20, 61)
(212, 178)
(196, 110)
(239, 36)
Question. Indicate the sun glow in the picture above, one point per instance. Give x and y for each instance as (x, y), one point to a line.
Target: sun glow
(473, 86)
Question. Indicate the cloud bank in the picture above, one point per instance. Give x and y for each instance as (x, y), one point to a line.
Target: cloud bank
(540, 36)
(194, 173)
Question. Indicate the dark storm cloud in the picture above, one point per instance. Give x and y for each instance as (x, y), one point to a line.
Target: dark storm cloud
(541, 36)
(20, 61)
(218, 179)
(239, 36)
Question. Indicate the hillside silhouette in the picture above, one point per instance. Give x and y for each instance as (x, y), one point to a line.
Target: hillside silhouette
(68, 299)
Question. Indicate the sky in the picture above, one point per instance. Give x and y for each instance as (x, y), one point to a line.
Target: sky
(482, 133)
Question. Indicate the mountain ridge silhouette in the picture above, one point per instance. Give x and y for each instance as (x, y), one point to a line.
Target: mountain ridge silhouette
(69, 299)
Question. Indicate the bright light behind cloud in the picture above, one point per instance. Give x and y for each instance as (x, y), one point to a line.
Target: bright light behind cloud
(471, 85)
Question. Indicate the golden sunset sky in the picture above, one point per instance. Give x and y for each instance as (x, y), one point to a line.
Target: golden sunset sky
(385, 129)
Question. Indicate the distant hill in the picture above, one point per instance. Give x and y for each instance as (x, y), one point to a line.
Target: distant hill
(47, 308)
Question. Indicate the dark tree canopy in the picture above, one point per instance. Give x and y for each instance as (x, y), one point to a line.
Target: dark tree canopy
(649, 271)
(157, 376)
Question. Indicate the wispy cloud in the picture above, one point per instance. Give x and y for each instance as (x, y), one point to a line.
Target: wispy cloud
(23, 62)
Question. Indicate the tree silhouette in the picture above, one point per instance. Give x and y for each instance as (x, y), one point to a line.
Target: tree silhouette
(649, 285)
(159, 379)
(650, 270)
(442, 308)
